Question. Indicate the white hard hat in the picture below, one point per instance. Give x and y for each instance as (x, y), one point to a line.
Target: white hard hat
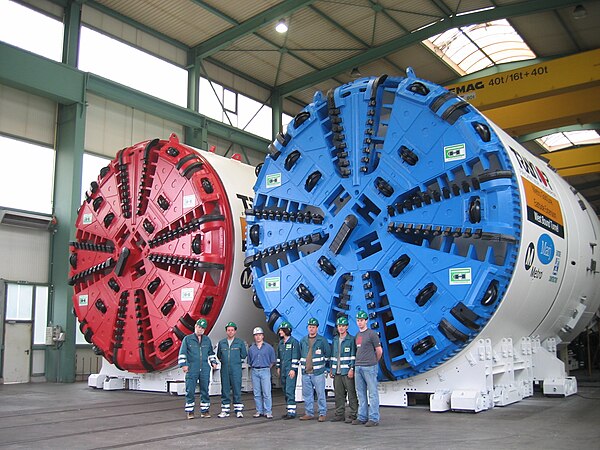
(258, 330)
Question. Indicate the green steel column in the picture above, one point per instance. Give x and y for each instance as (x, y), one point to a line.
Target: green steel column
(276, 110)
(195, 136)
(71, 33)
(60, 360)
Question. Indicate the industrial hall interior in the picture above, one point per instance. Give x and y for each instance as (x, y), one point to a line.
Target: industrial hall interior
(296, 218)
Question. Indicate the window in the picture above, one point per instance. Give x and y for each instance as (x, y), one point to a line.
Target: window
(255, 117)
(41, 315)
(19, 301)
(285, 120)
(26, 302)
(79, 339)
(234, 109)
(230, 101)
(230, 104)
(26, 176)
(211, 97)
(478, 46)
(17, 25)
(124, 64)
(90, 170)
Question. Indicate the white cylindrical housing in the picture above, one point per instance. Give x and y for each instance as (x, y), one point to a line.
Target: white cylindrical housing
(554, 290)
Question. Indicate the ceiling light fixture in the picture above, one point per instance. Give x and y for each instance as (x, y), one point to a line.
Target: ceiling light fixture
(281, 26)
(579, 12)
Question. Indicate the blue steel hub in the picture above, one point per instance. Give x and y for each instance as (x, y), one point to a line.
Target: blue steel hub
(392, 196)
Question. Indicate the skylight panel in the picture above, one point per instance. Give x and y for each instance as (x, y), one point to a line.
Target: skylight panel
(560, 141)
(478, 46)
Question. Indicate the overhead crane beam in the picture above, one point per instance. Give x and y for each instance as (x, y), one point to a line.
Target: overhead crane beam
(554, 111)
(544, 96)
(541, 80)
(577, 161)
(552, 94)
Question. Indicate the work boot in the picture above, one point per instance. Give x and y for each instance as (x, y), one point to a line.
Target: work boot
(307, 417)
(322, 418)
(358, 422)
(190, 415)
(205, 415)
(370, 423)
(338, 419)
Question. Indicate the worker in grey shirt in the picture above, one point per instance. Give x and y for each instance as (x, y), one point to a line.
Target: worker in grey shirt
(368, 353)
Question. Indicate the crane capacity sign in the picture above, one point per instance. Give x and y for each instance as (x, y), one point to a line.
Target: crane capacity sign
(543, 209)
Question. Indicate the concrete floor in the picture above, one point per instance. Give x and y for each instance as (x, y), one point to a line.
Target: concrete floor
(74, 416)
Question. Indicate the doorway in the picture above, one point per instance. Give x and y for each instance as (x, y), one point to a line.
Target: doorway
(17, 352)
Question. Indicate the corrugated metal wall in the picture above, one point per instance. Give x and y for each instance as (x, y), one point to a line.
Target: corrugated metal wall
(25, 254)
(111, 126)
(27, 115)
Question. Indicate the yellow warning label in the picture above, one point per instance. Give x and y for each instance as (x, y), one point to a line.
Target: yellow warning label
(243, 226)
(543, 209)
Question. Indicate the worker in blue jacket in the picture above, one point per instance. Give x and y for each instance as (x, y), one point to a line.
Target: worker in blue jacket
(314, 359)
(196, 356)
(288, 357)
(231, 351)
(343, 355)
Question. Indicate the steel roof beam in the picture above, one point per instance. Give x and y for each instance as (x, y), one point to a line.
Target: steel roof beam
(351, 35)
(233, 21)
(501, 12)
(137, 25)
(222, 40)
(445, 9)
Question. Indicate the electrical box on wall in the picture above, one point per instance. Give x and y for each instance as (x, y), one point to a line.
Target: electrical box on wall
(49, 336)
(54, 335)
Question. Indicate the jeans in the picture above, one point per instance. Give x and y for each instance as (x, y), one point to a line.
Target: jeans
(261, 383)
(366, 380)
(312, 382)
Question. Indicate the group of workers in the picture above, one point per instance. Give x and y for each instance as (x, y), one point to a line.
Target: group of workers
(351, 361)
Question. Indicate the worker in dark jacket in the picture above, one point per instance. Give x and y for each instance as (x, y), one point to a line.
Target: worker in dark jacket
(314, 359)
(231, 351)
(288, 356)
(343, 355)
(196, 356)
